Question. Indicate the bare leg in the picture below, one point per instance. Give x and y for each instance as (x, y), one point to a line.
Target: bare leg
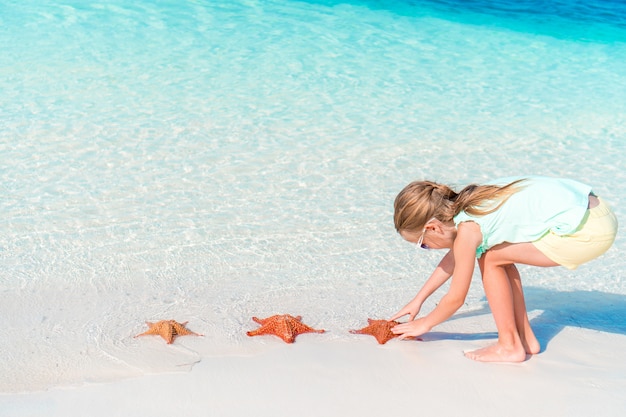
(503, 289)
(509, 347)
(526, 334)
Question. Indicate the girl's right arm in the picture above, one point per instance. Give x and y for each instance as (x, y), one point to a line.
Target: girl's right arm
(439, 276)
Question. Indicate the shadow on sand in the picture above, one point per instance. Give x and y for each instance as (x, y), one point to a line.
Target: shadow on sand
(594, 310)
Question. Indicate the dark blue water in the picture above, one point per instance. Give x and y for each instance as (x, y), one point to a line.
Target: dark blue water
(593, 20)
(588, 11)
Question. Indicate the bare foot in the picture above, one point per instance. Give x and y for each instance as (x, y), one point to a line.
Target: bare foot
(498, 353)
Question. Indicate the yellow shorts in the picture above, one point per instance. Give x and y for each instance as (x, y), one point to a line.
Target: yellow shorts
(594, 236)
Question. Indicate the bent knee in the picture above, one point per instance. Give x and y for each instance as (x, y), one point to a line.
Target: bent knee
(494, 258)
(515, 253)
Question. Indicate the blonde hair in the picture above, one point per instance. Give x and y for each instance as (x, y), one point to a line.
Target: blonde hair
(421, 201)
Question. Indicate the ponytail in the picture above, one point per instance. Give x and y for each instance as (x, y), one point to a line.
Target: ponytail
(479, 200)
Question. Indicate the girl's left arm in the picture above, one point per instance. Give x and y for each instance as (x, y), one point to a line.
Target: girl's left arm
(467, 240)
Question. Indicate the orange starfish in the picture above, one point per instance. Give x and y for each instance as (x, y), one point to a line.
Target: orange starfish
(285, 326)
(168, 330)
(380, 329)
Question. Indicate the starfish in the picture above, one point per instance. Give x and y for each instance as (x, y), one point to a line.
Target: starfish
(168, 330)
(285, 326)
(380, 329)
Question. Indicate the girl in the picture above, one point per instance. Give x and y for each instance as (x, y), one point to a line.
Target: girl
(531, 220)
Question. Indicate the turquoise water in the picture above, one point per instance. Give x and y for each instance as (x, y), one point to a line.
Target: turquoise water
(210, 161)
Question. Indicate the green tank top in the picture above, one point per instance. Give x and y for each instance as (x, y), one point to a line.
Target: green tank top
(541, 205)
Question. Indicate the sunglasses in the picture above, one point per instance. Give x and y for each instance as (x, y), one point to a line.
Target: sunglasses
(420, 241)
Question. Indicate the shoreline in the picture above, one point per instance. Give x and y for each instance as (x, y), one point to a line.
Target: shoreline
(582, 372)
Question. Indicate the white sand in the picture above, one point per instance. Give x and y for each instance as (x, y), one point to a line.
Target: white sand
(582, 372)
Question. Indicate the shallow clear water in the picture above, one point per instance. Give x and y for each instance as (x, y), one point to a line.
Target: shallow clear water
(210, 161)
